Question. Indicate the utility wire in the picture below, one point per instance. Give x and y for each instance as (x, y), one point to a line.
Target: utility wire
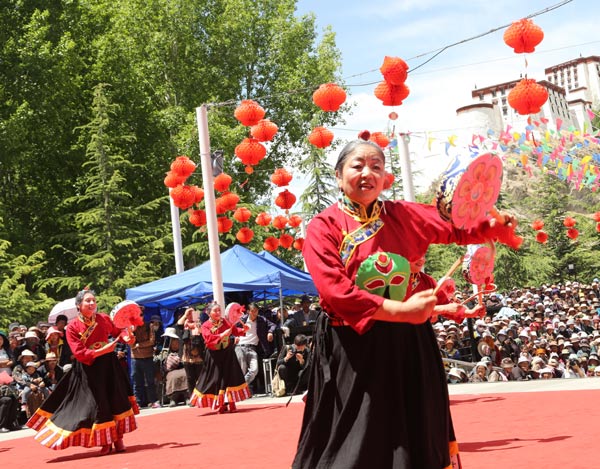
(436, 52)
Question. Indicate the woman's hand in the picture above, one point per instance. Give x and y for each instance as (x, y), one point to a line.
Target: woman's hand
(476, 312)
(416, 310)
(225, 333)
(108, 348)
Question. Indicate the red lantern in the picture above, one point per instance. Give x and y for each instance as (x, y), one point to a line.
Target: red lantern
(364, 135)
(286, 240)
(220, 206)
(569, 222)
(598, 227)
(245, 235)
(298, 244)
(391, 95)
(183, 196)
(250, 151)
(285, 200)
(596, 217)
(280, 222)
(224, 224)
(380, 139)
(263, 219)
(264, 130)
(242, 214)
(523, 36)
(198, 194)
(527, 97)
(230, 200)
(389, 180)
(541, 237)
(394, 70)
(573, 233)
(173, 180)
(321, 137)
(270, 244)
(329, 97)
(281, 177)
(537, 225)
(295, 221)
(183, 166)
(222, 182)
(197, 217)
(249, 112)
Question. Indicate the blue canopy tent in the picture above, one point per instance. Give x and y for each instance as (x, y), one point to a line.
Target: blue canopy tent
(243, 270)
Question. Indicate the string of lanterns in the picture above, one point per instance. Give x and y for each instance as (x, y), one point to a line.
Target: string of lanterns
(528, 96)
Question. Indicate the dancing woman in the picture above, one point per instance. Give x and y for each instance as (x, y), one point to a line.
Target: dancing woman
(93, 404)
(221, 382)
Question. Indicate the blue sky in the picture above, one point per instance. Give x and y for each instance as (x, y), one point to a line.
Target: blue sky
(412, 29)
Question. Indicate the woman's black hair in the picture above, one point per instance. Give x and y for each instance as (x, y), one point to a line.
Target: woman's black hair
(350, 147)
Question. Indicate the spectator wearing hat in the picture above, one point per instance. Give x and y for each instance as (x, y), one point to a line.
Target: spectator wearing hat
(507, 367)
(450, 350)
(19, 372)
(33, 389)
(176, 388)
(493, 305)
(304, 316)
(593, 363)
(479, 374)
(457, 375)
(50, 371)
(573, 368)
(521, 372)
(56, 344)
(557, 369)
(32, 343)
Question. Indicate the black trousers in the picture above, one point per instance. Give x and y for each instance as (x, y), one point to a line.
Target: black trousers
(8, 412)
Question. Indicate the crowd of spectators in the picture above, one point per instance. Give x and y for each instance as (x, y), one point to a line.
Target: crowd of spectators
(162, 365)
(545, 332)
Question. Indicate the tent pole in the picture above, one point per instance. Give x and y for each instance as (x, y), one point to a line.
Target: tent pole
(281, 305)
(209, 200)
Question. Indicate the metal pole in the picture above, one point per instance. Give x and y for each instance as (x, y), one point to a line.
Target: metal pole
(407, 179)
(209, 200)
(176, 227)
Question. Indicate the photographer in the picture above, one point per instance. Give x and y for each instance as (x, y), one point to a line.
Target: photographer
(573, 369)
(291, 364)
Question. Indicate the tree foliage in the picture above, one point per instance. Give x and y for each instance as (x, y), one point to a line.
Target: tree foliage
(98, 97)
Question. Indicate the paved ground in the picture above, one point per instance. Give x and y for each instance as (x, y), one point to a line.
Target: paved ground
(551, 385)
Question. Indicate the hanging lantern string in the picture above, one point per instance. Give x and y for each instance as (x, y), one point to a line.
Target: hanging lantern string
(436, 52)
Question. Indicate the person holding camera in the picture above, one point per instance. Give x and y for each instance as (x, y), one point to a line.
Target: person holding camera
(573, 369)
(291, 364)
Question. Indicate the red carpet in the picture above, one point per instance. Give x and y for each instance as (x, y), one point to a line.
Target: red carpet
(514, 430)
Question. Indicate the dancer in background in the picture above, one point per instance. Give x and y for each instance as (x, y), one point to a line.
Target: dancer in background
(93, 405)
(377, 393)
(221, 382)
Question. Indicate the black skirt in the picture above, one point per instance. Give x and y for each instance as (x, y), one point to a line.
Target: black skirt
(92, 405)
(376, 400)
(221, 380)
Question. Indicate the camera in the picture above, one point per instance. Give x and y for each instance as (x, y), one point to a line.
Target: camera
(573, 362)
